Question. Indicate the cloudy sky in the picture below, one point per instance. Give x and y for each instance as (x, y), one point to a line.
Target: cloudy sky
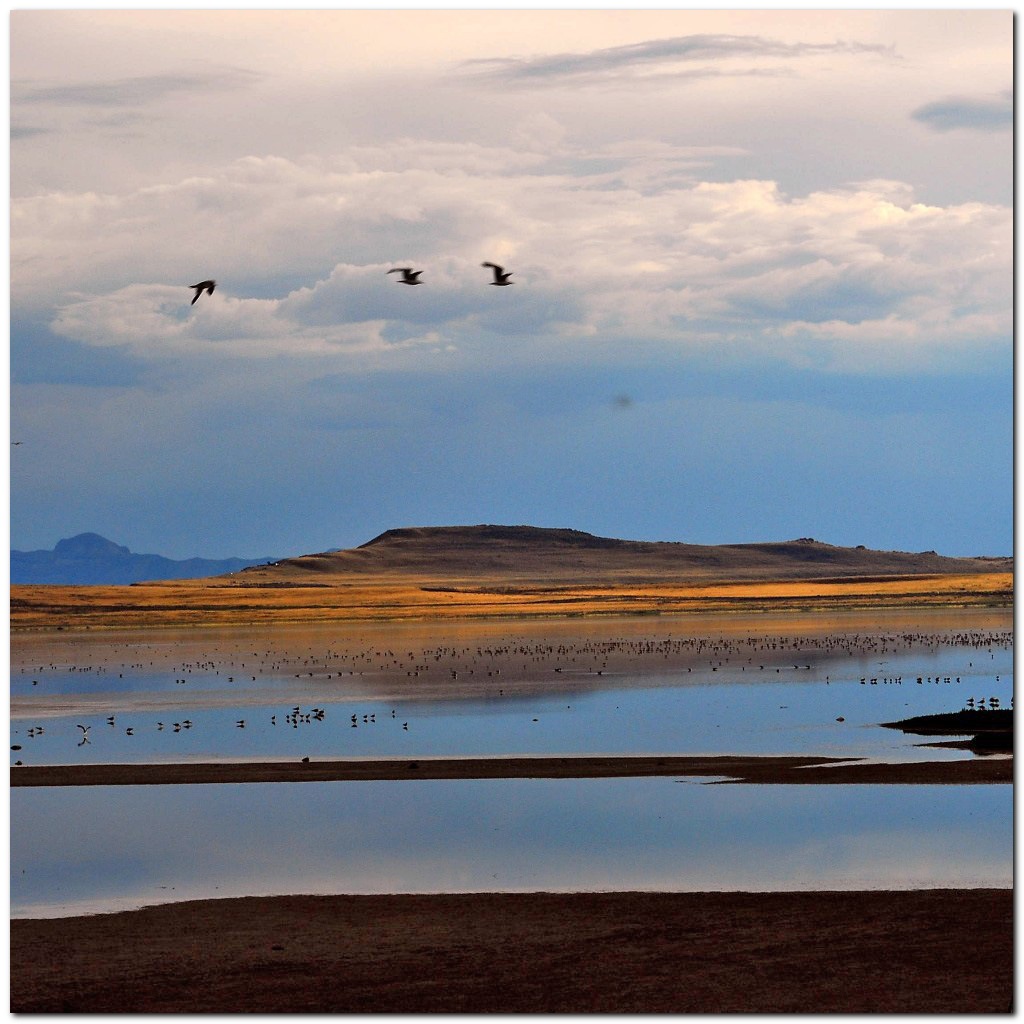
(762, 268)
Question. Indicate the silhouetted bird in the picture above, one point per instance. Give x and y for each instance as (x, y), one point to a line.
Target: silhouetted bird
(409, 276)
(203, 286)
(501, 276)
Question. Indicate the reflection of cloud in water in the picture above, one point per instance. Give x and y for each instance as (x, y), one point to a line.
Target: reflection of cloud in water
(500, 834)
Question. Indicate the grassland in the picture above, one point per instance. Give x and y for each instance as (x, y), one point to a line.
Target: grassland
(223, 601)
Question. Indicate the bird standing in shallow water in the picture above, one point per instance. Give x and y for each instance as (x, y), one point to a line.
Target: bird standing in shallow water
(409, 276)
(501, 276)
(203, 286)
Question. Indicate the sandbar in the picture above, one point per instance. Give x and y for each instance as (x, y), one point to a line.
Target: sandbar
(745, 769)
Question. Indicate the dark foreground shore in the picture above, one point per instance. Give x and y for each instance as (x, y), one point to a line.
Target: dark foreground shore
(764, 770)
(928, 951)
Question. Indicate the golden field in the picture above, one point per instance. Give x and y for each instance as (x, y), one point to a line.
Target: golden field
(222, 601)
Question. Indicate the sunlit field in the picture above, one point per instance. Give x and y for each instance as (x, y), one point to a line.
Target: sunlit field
(220, 602)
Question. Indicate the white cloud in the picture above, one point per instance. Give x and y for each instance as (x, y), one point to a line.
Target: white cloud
(640, 246)
(155, 321)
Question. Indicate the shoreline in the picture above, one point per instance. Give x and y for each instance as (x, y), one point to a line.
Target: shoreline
(878, 951)
(732, 769)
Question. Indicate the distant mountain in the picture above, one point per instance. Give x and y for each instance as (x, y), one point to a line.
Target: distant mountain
(90, 558)
(534, 554)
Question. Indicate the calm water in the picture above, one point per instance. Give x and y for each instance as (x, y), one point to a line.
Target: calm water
(792, 711)
(99, 848)
(95, 848)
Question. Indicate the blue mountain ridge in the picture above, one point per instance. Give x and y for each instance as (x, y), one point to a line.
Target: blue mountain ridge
(89, 558)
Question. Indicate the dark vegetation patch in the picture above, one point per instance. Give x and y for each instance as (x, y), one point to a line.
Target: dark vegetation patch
(990, 731)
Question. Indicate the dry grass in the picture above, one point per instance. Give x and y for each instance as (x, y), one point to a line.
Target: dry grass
(220, 602)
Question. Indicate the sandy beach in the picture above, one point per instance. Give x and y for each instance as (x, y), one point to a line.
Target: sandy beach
(932, 951)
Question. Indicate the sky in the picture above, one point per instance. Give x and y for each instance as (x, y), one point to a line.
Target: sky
(761, 276)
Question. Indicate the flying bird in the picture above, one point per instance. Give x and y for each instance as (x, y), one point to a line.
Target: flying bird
(203, 286)
(501, 276)
(409, 276)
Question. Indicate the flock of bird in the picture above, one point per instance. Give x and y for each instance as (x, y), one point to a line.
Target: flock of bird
(409, 276)
(294, 718)
(523, 657)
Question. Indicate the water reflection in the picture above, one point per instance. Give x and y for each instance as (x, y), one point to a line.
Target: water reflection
(793, 712)
(560, 688)
(137, 845)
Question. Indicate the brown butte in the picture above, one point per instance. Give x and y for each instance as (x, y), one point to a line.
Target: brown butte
(520, 571)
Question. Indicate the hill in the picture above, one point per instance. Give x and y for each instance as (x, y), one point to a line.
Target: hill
(479, 572)
(520, 554)
(89, 558)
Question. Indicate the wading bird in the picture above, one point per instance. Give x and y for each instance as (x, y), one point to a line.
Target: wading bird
(203, 286)
(501, 276)
(409, 276)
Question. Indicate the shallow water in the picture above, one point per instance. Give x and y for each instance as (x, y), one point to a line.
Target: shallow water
(93, 849)
(392, 692)
(786, 711)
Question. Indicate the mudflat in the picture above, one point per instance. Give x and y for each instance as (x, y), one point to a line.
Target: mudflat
(740, 769)
(927, 951)
(818, 633)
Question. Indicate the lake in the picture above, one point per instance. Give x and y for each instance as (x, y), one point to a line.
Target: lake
(694, 685)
